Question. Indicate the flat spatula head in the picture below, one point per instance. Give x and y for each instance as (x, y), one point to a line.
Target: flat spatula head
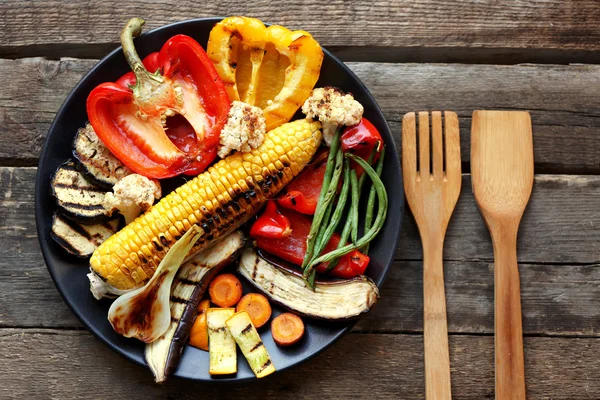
(502, 162)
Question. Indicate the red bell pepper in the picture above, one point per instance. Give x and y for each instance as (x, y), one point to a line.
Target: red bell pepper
(293, 248)
(169, 122)
(271, 224)
(360, 139)
(303, 192)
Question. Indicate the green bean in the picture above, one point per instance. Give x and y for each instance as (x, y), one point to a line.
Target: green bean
(329, 229)
(329, 187)
(348, 224)
(371, 201)
(354, 206)
(377, 225)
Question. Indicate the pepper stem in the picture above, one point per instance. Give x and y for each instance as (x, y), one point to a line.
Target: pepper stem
(134, 29)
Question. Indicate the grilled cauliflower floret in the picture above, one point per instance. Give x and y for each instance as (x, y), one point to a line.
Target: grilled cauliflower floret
(131, 196)
(333, 108)
(245, 129)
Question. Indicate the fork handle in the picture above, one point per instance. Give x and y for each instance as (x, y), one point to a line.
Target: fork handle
(435, 329)
(510, 368)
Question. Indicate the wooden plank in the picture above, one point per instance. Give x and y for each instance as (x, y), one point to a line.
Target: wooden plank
(72, 364)
(561, 99)
(557, 299)
(59, 28)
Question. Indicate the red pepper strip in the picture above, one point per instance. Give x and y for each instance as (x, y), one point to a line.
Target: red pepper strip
(360, 139)
(168, 123)
(293, 248)
(303, 192)
(150, 62)
(271, 224)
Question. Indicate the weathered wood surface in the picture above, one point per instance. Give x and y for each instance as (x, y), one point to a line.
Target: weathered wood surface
(562, 99)
(72, 364)
(452, 30)
(557, 299)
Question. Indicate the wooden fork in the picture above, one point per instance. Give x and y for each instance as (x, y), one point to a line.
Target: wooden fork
(432, 191)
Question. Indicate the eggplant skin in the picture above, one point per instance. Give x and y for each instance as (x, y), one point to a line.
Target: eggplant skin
(336, 300)
(187, 291)
(77, 197)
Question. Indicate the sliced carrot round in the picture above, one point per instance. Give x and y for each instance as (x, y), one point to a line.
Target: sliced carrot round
(257, 306)
(225, 290)
(287, 329)
(199, 332)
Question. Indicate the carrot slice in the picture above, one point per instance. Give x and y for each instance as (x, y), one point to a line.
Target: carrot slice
(258, 308)
(225, 290)
(287, 329)
(199, 332)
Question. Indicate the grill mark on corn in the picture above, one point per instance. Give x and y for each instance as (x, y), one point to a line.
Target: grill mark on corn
(216, 211)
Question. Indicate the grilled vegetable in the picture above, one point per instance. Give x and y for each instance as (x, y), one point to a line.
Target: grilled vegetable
(257, 306)
(79, 239)
(245, 335)
(287, 329)
(144, 313)
(219, 200)
(334, 300)
(78, 198)
(221, 345)
(189, 286)
(269, 67)
(97, 160)
(199, 331)
(225, 290)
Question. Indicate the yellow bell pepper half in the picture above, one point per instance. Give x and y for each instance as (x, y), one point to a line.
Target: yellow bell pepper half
(272, 68)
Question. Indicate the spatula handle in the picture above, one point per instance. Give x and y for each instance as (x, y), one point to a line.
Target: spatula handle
(510, 369)
(435, 328)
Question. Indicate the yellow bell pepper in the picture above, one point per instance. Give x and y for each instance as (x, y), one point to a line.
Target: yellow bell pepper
(272, 68)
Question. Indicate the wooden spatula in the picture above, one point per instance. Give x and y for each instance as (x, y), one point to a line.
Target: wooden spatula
(502, 176)
(432, 190)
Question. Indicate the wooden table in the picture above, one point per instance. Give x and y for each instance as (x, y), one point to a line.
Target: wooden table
(431, 54)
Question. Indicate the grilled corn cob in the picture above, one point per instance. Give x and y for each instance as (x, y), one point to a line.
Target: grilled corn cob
(219, 200)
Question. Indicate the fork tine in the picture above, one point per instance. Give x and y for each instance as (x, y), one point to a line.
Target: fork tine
(453, 168)
(424, 145)
(409, 146)
(437, 144)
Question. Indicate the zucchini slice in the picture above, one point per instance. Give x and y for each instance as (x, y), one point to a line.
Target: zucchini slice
(79, 239)
(245, 335)
(330, 300)
(97, 160)
(221, 345)
(78, 198)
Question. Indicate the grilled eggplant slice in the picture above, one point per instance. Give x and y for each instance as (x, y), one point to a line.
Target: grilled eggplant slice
(78, 198)
(331, 300)
(97, 160)
(188, 288)
(79, 239)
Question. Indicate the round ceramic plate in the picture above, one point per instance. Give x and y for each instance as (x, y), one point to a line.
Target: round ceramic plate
(69, 273)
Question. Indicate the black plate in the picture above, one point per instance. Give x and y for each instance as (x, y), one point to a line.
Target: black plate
(69, 273)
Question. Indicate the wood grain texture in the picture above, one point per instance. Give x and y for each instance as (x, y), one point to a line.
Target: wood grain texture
(72, 364)
(561, 99)
(91, 27)
(557, 299)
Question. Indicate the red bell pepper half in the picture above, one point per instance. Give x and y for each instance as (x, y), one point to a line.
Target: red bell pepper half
(360, 139)
(169, 121)
(293, 248)
(271, 224)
